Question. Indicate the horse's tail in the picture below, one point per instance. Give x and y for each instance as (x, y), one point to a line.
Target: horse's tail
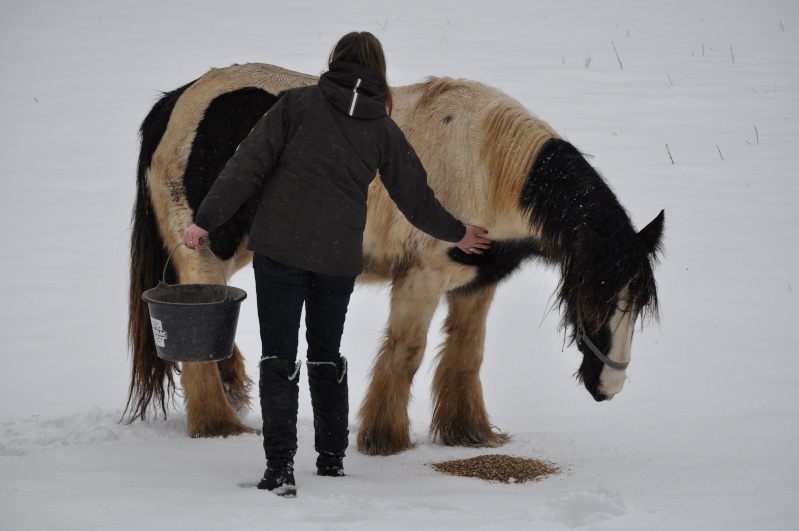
(152, 380)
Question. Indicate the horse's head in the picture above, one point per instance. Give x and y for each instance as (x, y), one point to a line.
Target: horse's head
(612, 285)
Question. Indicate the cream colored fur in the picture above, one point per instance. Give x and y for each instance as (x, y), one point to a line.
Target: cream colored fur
(621, 324)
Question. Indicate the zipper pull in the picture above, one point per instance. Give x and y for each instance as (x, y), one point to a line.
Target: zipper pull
(355, 96)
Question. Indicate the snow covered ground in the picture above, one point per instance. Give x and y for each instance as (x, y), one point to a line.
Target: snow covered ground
(703, 436)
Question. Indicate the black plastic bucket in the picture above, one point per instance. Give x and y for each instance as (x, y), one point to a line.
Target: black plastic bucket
(194, 322)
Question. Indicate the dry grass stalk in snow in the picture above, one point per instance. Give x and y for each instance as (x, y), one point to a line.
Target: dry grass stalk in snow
(503, 468)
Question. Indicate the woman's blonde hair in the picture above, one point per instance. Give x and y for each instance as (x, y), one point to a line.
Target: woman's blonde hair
(363, 48)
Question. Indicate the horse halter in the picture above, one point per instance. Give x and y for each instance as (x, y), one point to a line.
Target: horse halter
(582, 336)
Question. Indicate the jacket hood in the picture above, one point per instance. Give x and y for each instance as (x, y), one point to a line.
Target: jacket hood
(354, 90)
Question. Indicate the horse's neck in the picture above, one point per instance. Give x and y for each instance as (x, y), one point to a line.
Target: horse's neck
(565, 196)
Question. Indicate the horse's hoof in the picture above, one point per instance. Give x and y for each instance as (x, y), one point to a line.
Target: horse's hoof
(490, 439)
(220, 430)
(371, 445)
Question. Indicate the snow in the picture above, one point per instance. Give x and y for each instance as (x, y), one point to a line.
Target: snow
(703, 436)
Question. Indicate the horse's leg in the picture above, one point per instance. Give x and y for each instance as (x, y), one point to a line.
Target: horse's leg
(459, 414)
(384, 424)
(235, 382)
(208, 411)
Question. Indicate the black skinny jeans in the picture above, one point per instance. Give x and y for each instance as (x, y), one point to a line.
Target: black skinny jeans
(281, 291)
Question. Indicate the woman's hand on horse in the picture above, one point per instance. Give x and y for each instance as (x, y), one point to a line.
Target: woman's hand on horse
(474, 241)
(194, 237)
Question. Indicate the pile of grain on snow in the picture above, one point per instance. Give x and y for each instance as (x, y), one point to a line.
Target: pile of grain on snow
(503, 468)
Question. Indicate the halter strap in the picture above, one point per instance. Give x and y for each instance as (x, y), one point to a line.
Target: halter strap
(582, 336)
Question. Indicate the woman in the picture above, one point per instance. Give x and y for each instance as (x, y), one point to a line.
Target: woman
(315, 153)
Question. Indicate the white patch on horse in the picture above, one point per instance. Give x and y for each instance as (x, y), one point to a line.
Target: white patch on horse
(621, 325)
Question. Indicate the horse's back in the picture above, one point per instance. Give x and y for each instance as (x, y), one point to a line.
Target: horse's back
(207, 122)
(228, 90)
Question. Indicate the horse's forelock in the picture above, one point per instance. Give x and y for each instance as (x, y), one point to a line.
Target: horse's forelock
(589, 289)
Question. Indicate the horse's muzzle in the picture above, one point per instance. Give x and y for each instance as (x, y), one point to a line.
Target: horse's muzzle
(600, 396)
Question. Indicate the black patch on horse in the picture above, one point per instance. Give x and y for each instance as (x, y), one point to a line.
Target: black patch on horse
(226, 123)
(497, 263)
(563, 194)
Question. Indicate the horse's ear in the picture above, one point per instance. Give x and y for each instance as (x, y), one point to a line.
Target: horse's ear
(652, 234)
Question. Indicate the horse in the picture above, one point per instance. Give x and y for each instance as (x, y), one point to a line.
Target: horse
(490, 162)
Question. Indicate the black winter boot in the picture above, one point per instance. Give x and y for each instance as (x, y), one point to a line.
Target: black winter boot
(330, 400)
(279, 395)
(279, 478)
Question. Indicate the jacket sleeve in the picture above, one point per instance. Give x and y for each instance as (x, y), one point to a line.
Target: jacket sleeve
(255, 157)
(405, 180)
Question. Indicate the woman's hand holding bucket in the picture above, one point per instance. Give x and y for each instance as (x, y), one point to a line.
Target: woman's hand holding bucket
(194, 236)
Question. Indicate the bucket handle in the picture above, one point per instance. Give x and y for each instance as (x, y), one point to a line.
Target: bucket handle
(219, 263)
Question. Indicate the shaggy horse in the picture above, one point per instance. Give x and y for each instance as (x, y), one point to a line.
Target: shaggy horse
(490, 162)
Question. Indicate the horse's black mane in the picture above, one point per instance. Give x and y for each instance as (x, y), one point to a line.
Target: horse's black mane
(585, 230)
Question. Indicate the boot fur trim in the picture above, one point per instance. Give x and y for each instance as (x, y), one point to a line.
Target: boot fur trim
(334, 364)
(297, 365)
